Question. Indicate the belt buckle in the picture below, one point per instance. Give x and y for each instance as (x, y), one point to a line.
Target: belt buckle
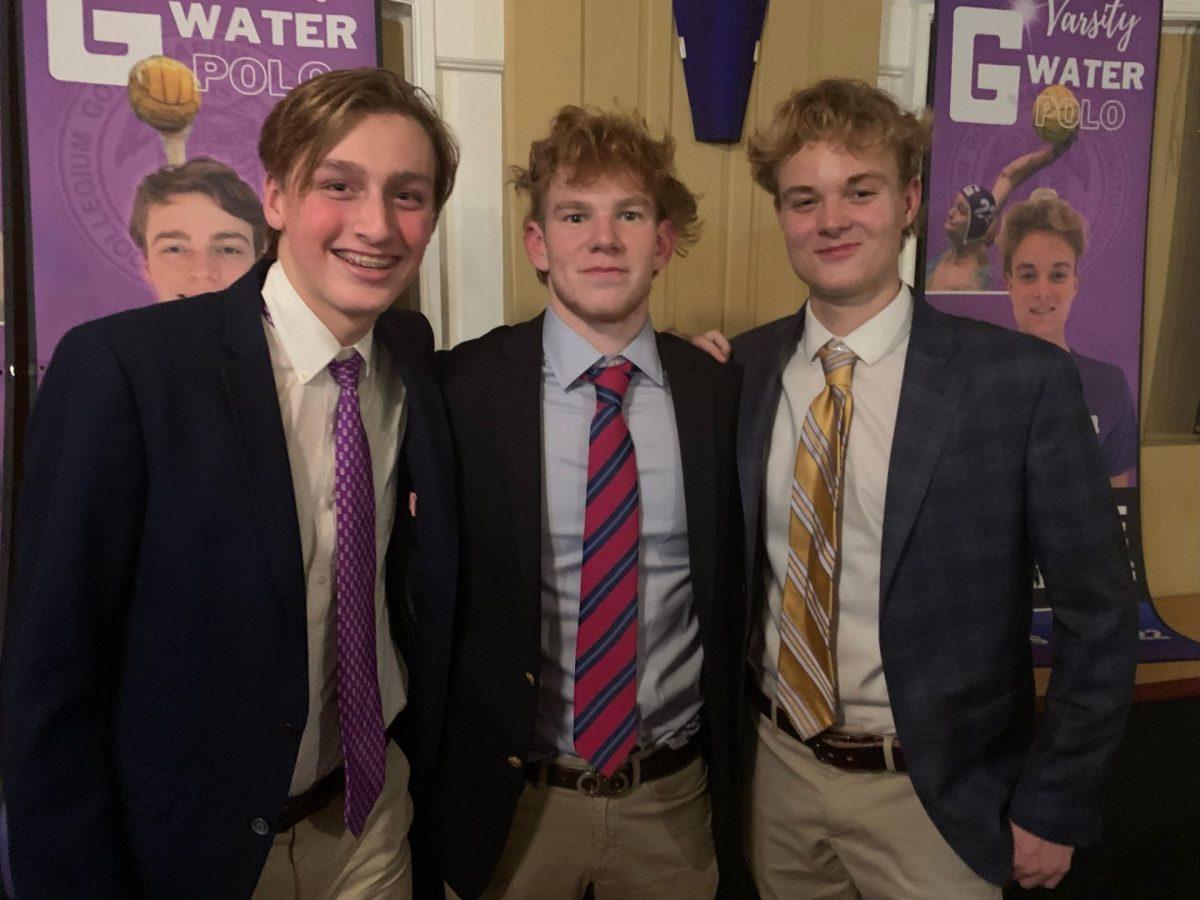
(594, 784)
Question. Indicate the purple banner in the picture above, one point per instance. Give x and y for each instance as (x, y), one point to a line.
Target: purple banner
(1037, 190)
(122, 98)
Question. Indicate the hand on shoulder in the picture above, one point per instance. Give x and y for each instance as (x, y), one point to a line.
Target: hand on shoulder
(713, 342)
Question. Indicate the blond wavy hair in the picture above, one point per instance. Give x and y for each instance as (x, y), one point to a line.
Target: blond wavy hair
(846, 112)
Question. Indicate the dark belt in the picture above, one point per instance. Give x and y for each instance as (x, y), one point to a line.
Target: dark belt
(315, 799)
(856, 752)
(654, 765)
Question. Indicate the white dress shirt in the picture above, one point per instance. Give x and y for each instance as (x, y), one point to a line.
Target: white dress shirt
(669, 652)
(301, 348)
(881, 345)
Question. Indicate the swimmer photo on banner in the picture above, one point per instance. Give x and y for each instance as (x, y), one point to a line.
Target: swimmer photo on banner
(1037, 199)
(141, 123)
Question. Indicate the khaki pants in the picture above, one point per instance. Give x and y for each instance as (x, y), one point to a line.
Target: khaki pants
(319, 859)
(817, 831)
(655, 842)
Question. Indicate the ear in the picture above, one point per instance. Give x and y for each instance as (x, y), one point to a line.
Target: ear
(535, 246)
(666, 240)
(273, 203)
(912, 201)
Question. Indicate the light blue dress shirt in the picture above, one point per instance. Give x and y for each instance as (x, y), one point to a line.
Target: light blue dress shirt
(670, 655)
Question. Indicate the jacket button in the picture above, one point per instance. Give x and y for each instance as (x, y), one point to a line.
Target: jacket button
(529, 677)
(259, 826)
(515, 762)
(290, 730)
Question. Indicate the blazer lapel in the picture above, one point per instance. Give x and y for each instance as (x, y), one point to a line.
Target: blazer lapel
(516, 401)
(250, 385)
(692, 398)
(761, 388)
(929, 395)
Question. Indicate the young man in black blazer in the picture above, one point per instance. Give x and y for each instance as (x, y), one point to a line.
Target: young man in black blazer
(214, 624)
(591, 719)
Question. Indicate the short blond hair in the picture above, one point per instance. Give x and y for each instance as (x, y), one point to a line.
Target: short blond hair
(316, 114)
(842, 111)
(1046, 212)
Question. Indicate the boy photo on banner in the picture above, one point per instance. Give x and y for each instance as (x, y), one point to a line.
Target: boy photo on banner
(144, 183)
(1037, 190)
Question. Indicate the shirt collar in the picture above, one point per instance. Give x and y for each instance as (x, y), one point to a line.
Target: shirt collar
(308, 344)
(873, 339)
(570, 355)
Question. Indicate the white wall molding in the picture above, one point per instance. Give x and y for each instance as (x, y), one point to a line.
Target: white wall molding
(904, 50)
(1181, 12)
(458, 57)
(903, 72)
(459, 64)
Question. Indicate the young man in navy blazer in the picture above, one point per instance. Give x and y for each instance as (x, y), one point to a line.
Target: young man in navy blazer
(591, 725)
(227, 636)
(898, 753)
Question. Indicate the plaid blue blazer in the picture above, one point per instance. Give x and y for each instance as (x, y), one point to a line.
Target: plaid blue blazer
(994, 464)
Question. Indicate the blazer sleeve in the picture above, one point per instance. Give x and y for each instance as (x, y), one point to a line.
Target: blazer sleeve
(1079, 546)
(77, 534)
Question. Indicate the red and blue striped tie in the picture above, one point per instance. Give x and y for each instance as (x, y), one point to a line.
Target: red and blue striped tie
(606, 715)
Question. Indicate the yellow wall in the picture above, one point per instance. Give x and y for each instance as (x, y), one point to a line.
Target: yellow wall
(1170, 473)
(1170, 362)
(625, 53)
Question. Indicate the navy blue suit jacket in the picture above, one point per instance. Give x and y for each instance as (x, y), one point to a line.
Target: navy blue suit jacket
(155, 673)
(994, 465)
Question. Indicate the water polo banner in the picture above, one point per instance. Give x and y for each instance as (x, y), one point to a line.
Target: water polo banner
(88, 151)
(1043, 115)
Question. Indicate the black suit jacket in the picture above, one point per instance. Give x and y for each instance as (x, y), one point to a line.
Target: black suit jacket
(994, 464)
(155, 669)
(493, 390)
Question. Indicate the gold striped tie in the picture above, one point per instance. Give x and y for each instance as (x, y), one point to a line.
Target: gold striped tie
(807, 684)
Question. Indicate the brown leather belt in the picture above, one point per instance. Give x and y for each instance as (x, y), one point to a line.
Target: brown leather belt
(316, 798)
(654, 765)
(856, 752)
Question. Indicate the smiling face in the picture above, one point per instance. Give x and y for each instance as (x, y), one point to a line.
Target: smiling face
(843, 216)
(600, 244)
(1042, 283)
(193, 246)
(353, 240)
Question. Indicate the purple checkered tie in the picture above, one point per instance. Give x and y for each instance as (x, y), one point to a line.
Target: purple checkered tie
(359, 707)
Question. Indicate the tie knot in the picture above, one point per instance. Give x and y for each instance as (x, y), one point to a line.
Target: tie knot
(611, 381)
(345, 371)
(838, 362)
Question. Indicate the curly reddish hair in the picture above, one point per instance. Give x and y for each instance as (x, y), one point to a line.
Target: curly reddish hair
(586, 144)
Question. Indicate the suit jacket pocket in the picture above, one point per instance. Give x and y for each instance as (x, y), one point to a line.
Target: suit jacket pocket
(145, 789)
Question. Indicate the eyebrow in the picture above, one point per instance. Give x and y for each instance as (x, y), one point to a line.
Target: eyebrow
(178, 235)
(346, 167)
(341, 166)
(622, 203)
(171, 236)
(850, 182)
(230, 236)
